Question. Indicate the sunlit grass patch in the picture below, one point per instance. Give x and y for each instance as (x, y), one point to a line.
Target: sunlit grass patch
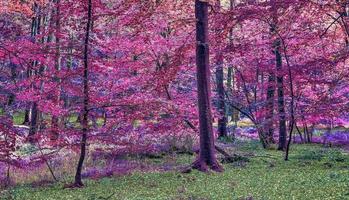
(265, 176)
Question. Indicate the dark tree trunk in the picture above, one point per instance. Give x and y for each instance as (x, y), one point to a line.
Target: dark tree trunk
(33, 121)
(281, 102)
(299, 133)
(230, 77)
(56, 15)
(231, 86)
(36, 26)
(269, 120)
(234, 113)
(279, 78)
(292, 106)
(206, 158)
(11, 97)
(78, 178)
(222, 120)
(26, 117)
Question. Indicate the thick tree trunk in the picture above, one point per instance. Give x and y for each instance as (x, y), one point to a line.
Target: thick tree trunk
(206, 158)
(78, 178)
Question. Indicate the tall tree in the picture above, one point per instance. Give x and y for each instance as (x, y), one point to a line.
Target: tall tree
(34, 112)
(206, 158)
(279, 77)
(78, 178)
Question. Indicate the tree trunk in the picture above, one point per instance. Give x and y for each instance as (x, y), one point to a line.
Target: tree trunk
(78, 178)
(269, 120)
(206, 158)
(26, 116)
(281, 102)
(36, 28)
(279, 79)
(222, 120)
(292, 106)
(55, 119)
(33, 121)
(231, 83)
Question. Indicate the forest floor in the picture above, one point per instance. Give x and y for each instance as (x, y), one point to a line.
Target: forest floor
(313, 172)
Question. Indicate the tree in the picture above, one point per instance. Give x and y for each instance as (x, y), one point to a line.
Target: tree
(206, 158)
(279, 76)
(222, 119)
(86, 99)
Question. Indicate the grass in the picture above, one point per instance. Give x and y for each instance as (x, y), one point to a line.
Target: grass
(313, 172)
(18, 118)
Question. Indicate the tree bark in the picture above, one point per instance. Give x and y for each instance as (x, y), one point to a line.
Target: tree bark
(206, 159)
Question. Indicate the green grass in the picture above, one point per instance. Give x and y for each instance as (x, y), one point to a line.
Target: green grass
(312, 173)
(18, 118)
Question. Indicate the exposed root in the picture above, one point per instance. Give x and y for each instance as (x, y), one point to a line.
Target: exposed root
(206, 167)
(230, 158)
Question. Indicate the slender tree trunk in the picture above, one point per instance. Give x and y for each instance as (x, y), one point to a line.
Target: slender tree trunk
(78, 178)
(26, 116)
(230, 110)
(293, 120)
(55, 119)
(34, 106)
(11, 96)
(281, 101)
(299, 133)
(33, 121)
(269, 123)
(206, 158)
(222, 120)
(234, 113)
(279, 78)
(8, 176)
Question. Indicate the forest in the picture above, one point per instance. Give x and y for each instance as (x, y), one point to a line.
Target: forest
(174, 99)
